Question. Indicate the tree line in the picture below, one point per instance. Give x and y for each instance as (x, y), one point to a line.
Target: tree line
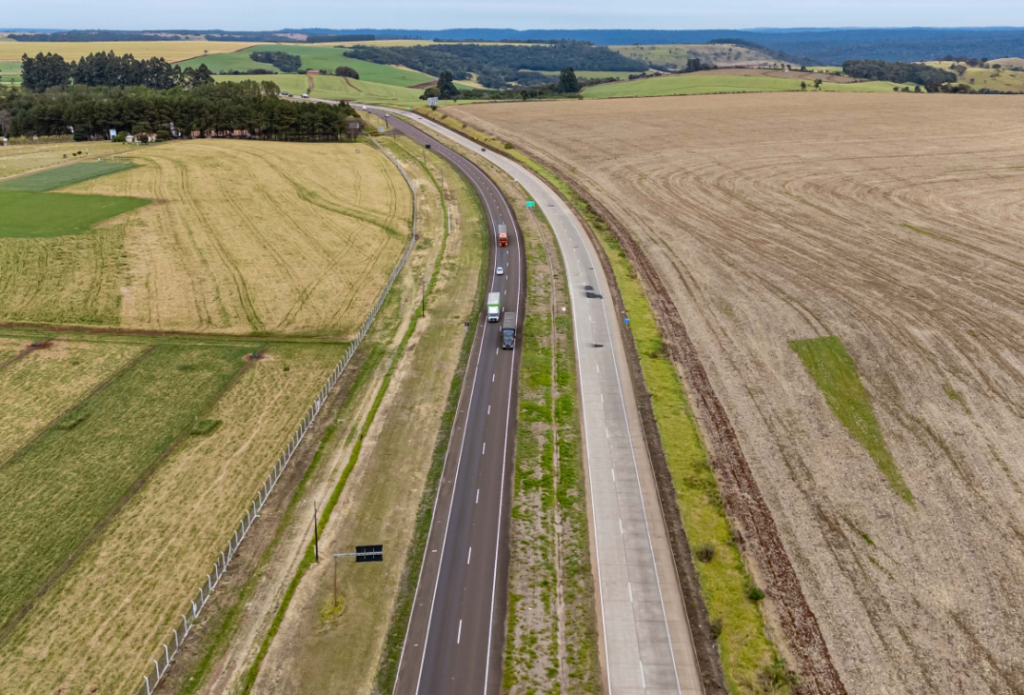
(285, 62)
(496, 66)
(108, 70)
(917, 73)
(216, 109)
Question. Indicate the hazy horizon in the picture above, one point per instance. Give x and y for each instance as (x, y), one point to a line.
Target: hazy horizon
(747, 15)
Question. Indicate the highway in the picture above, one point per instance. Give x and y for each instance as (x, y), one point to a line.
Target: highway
(455, 638)
(646, 641)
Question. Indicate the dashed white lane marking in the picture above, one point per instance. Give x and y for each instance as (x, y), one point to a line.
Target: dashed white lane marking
(470, 556)
(485, 449)
(629, 585)
(621, 530)
(488, 410)
(492, 378)
(602, 398)
(478, 496)
(458, 637)
(607, 434)
(613, 475)
(598, 368)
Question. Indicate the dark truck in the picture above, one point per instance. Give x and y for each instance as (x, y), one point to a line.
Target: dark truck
(508, 331)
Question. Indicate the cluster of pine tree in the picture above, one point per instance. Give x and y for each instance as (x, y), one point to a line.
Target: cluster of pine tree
(210, 109)
(108, 70)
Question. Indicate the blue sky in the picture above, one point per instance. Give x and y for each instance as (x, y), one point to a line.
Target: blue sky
(521, 14)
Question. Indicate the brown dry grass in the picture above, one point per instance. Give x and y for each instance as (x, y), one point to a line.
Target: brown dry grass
(246, 237)
(45, 383)
(27, 156)
(97, 626)
(773, 218)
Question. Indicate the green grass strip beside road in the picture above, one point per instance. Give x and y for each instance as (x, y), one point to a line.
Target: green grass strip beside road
(835, 373)
(744, 648)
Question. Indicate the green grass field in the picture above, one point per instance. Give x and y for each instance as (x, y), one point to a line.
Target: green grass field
(29, 215)
(835, 373)
(60, 177)
(989, 78)
(10, 72)
(711, 83)
(76, 473)
(330, 87)
(323, 58)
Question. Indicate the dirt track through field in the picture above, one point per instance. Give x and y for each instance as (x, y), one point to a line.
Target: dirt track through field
(895, 223)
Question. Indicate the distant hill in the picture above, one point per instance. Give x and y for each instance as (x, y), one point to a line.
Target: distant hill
(819, 46)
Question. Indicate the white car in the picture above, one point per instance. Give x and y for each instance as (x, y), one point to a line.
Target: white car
(500, 271)
(305, 96)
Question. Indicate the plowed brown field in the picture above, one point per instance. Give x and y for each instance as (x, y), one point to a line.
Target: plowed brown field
(896, 223)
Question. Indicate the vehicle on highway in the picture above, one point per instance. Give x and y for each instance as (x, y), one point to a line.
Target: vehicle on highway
(499, 271)
(305, 96)
(493, 307)
(502, 236)
(508, 331)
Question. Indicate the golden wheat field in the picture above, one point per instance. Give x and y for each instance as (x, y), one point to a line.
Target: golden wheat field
(172, 51)
(873, 218)
(241, 237)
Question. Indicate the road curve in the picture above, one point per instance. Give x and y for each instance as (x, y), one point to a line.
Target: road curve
(456, 633)
(646, 645)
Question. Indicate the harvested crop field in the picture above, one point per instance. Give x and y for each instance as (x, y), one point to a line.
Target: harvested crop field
(156, 552)
(888, 457)
(241, 237)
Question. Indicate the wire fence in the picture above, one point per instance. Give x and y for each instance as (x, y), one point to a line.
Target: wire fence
(165, 655)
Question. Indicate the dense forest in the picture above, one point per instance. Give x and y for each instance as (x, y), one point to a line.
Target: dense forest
(285, 62)
(498, 65)
(108, 70)
(213, 108)
(899, 73)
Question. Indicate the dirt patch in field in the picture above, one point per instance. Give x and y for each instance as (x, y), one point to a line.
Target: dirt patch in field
(760, 219)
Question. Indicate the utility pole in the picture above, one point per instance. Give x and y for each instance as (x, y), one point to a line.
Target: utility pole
(335, 581)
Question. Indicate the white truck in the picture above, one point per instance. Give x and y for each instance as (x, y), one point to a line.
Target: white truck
(493, 307)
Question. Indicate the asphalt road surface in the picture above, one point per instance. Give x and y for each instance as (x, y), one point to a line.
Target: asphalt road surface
(646, 642)
(456, 633)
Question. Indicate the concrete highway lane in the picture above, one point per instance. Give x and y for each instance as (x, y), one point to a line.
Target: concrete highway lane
(455, 638)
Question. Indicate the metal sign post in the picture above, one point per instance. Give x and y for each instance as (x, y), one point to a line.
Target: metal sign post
(363, 553)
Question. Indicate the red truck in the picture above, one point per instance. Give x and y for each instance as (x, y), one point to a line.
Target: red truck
(502, 235)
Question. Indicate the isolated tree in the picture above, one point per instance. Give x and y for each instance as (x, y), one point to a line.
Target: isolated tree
(803, 86)
(817, 84)
(446, 86)
(567, 82)
(346, 71)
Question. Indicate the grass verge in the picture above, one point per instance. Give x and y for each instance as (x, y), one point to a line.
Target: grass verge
(836, 375)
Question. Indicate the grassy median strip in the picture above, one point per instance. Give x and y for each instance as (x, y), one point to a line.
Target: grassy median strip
(836, 375)
(551, 631)
(748, 656)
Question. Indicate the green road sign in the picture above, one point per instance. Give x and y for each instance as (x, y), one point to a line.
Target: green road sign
(530, 204)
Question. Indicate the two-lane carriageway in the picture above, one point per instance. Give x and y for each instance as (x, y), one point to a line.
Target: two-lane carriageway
(456, 632)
